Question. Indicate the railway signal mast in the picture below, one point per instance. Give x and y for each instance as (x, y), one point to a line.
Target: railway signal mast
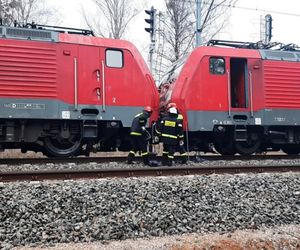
(152, 21)
(268, 28)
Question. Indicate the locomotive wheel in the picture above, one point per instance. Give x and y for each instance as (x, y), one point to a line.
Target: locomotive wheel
(64, 144)
(224, 148)
(291, 149)
(250, 146)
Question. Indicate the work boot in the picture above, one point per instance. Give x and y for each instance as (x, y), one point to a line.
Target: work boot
(184, 159)
(146, 160)
(169, 163)
(130, 158)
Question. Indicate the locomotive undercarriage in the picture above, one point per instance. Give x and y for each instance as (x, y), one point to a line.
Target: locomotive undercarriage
(60, 138)
(247, 140)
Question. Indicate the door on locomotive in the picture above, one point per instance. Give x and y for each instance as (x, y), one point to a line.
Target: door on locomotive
(246, 135)
(90, 80)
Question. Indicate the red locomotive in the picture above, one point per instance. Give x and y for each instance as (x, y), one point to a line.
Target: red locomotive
(240, 100)
(63, 93)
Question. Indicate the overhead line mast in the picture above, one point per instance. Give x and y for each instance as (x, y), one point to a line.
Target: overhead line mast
(198, 22)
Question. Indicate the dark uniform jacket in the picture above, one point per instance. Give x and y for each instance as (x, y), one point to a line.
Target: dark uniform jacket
(170, 129)
(139, 121)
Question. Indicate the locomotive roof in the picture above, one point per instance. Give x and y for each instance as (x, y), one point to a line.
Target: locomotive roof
(265, 54)
(75, 36)
(269, 51)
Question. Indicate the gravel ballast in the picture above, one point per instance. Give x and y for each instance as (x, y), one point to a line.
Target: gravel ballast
(118, 209)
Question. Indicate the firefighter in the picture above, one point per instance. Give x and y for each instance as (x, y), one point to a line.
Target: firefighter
(180, 146)
(170, 131)
(139, 136)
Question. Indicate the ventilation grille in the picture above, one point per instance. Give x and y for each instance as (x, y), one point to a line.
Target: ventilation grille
(281, 84)
(28, 34)
(28, 71)
(280, 55)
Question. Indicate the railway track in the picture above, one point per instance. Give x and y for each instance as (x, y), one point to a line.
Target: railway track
(83, 160)
(141, 172)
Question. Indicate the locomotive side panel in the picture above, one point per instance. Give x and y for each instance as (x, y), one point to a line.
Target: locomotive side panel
(281, 84)
(28, 79)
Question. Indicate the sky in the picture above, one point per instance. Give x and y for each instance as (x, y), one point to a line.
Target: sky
(243, 23)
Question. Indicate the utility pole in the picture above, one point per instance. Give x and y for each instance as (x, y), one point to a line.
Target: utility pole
(151, 20)
(198, 22)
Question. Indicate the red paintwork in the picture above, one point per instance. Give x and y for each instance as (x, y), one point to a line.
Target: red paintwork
(197, 89)
(33, 69)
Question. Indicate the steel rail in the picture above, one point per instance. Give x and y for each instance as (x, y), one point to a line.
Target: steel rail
(82, 160)
(141, 172)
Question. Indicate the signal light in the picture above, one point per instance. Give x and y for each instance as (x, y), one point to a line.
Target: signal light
(151, 20)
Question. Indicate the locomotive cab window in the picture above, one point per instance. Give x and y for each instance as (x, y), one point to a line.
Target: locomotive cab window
(217, 66)
(114, 58)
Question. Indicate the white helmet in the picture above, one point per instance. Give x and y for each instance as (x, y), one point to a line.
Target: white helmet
(173, 110)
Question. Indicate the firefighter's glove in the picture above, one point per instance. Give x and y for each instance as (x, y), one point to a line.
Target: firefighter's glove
(181, 143)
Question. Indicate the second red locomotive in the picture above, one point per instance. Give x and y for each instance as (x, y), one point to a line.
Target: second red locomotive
(239, 100)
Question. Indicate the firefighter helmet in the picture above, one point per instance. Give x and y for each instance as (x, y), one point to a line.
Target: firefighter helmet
(173, 110)
(171, 105)
(148, 109)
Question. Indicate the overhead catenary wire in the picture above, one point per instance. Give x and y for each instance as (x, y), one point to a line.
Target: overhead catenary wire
(234, 6)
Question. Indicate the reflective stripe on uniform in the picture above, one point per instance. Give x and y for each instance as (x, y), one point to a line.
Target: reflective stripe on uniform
(171, 157)
(138, 114)
(169, 136)
(179, 125)
(132, 152)
(170, 124)
(135, 133)
(184, 154)
(180, 136)
(180, 117)
(144, 154)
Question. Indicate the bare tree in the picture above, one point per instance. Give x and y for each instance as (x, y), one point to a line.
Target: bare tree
(113, 17)
(25, 11)
(177, 28)
(215, 14)
(6, 11)
(34, 11)
(178, 25)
